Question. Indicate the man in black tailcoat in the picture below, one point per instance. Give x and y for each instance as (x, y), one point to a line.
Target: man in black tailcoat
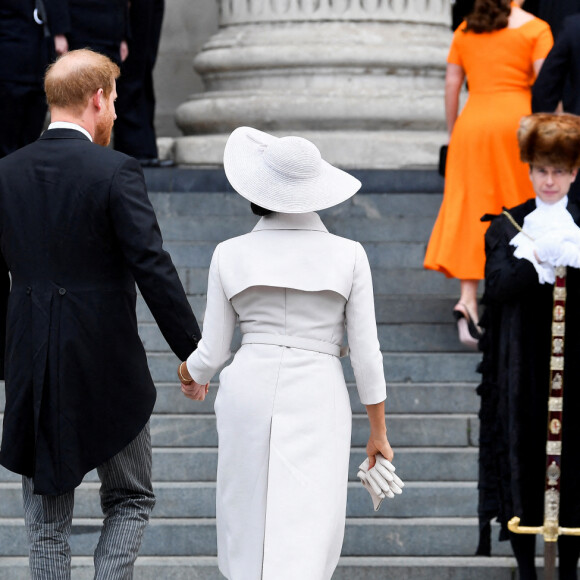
(523, 245)
(26, 48)
(77, 231)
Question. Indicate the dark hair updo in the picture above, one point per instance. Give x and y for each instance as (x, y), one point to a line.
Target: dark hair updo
(258, 210)
(488, 15)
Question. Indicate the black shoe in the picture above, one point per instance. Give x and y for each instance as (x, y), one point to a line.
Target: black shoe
(469, 332)
(156, 162)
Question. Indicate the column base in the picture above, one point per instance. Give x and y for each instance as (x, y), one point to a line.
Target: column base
(346, 149)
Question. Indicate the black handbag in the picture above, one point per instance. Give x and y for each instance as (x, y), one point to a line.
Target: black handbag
(442, 160)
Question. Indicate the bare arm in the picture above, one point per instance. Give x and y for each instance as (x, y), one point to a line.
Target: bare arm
(378, 442)
(454, 78)
(538, 65)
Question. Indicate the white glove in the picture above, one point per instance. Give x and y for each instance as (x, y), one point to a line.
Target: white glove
(549, 247)
(380, 481)
(572, 235)
(569, 255)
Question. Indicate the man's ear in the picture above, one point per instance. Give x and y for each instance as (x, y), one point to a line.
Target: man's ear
(574, 173)
(98, 99)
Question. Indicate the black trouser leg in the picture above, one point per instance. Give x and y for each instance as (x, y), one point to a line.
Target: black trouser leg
(524, 548)
(568, 552)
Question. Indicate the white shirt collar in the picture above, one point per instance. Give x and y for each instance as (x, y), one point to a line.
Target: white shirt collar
(291, 221)
(67, 125)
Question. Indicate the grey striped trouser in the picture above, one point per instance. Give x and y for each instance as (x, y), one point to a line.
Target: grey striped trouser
(126, 500)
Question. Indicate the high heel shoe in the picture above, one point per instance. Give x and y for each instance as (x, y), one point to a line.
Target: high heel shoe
(469, 332)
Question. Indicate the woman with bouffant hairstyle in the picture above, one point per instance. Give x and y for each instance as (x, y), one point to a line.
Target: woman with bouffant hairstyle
(499, 49)
(523, 247)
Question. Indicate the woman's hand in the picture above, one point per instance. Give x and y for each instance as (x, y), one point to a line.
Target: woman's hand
(379, 444)
(189, 387)
(195, 391)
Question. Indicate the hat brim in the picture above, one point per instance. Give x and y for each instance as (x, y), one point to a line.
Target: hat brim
(259, 183)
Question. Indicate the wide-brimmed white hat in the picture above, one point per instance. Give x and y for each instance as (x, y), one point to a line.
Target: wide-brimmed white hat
(284, 174)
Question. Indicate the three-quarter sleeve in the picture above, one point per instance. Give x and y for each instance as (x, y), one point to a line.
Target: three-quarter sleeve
(543, 44)
(214, 348)
(365, 350)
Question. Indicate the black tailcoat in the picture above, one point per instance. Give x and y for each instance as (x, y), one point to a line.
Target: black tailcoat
(77, 231)
(515, 386)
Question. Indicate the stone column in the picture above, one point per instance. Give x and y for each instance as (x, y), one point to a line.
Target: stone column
(363, 79)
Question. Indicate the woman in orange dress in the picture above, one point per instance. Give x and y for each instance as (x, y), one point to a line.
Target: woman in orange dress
(500, 49)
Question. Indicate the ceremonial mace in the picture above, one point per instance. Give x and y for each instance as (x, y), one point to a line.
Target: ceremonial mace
(551, 528)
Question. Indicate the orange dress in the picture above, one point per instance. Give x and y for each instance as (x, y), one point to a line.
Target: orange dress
(484, 172)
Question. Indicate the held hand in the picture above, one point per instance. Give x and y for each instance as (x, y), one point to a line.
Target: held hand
(380, 481)
(548, 247)
(569, 255)
(379, 445)
(195, 391)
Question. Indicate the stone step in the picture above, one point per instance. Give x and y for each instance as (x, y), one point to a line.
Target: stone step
(363, 537)
(407, 337)
(388, 282)
(401, 398)
(197, 500)
(399, 367)
(391, 309)
(349, 568)
(216, 228)
(453, 430)
(381, 255)
(199, 464)
(368, 206)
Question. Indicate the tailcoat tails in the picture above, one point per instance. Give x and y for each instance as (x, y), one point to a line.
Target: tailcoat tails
(77, 231)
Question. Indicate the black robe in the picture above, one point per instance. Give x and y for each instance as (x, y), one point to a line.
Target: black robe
(515, 386)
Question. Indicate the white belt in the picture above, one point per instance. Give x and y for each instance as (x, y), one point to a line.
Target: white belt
(295, 342)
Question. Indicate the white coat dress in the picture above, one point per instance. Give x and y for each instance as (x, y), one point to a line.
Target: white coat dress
(283, 412)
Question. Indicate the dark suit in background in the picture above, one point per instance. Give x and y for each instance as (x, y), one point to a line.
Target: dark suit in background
(134, 128)
(559, 79)
(100, 25)
(561, 66)
(553, 11)
(25, 52)
(77, 231)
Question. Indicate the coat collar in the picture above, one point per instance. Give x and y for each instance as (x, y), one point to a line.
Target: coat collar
(64, 134)
(291, 221)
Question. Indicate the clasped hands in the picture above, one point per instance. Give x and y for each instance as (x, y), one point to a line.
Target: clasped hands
(189, 387)
(380, 481)
(561, 248)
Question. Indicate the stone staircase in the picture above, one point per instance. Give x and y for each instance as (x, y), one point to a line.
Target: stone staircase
(430, 532)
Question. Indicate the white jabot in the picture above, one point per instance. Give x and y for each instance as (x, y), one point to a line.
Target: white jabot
(545, 219)
(67, 125)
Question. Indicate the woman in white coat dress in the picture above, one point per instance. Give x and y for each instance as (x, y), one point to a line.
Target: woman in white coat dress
(283, 412)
